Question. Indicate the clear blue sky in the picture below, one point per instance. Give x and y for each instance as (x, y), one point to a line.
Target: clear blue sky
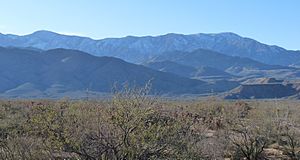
(269, 21)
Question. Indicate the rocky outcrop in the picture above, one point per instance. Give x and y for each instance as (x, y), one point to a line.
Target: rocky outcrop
(263, 89)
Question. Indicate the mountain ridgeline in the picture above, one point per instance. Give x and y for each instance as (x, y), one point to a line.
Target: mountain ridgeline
(140, 49)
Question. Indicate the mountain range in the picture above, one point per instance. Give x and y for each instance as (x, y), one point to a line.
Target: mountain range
(140, 49)
(50, 65)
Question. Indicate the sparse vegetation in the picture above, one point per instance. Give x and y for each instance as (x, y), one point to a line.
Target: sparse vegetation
(132, 125)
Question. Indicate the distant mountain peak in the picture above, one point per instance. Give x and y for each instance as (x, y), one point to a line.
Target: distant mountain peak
(230, 35)
(173, 34)
(44, 33)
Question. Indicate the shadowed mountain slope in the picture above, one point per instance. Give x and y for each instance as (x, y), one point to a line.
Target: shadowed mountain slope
(61, 70)
(186, 71)
(201, 57)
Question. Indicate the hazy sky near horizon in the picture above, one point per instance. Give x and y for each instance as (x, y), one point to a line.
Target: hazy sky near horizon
(268, 21)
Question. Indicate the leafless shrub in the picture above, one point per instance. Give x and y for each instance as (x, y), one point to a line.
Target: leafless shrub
(249, 141)
(288, 134)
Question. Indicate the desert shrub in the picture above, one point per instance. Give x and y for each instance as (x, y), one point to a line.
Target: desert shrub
(131, 127)
(22, 147)
(291, 142)
(287, 133)
(249, 140)
(14, 141)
